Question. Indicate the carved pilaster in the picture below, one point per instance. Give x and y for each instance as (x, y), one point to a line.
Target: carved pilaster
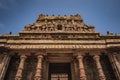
(117, 74)
(99, 67)
(2, 62)
(116, 62)
(39, 68)
(20, 68)
(81, 67)
(4, 66)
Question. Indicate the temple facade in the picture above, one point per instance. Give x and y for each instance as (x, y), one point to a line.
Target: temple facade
(59, 48)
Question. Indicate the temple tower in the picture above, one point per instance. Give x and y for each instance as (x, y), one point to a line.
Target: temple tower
(59, 48)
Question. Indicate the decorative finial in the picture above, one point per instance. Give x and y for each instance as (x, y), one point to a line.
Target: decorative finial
(10, 33)
(77, 15)
(64, 15)
(108, 32)
(41, 15)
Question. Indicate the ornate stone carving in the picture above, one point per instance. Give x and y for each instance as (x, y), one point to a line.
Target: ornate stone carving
(58, 24)
(20, 68)
(59, 35)
(49, 23)
(81, 67)
(38, 74)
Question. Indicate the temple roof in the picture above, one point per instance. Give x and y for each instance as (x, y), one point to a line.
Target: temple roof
(59, 32)
(59, 24)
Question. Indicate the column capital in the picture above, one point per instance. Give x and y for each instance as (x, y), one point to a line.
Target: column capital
(23, 56)
(40, 56)
(96, 57)
(79, 56)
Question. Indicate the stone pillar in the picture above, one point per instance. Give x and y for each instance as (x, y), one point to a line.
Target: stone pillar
(99, 67)
(4, 66)
(2, 63)
(20, 68)
(113, 63)
(116, 62)
(39, 68)
(81, 68)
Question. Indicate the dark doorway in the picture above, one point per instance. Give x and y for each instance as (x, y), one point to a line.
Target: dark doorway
(59, 71)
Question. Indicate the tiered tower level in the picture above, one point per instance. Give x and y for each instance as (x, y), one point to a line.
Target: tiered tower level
(59, 27)
(42, 49)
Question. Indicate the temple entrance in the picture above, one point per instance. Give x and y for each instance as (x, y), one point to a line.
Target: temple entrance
(59, 71)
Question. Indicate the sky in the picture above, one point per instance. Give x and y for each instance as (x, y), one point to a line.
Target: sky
(104, 15)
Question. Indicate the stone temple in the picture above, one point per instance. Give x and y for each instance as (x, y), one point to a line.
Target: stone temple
(59, 48)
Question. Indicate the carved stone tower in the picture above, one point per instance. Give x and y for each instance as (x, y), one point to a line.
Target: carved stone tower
(59, 48)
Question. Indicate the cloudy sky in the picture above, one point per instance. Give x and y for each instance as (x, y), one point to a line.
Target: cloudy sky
(103, 14)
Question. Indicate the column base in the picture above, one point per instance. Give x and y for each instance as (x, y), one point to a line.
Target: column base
(83, 78)
(37, 78)
(102, 78)
(18, 78)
